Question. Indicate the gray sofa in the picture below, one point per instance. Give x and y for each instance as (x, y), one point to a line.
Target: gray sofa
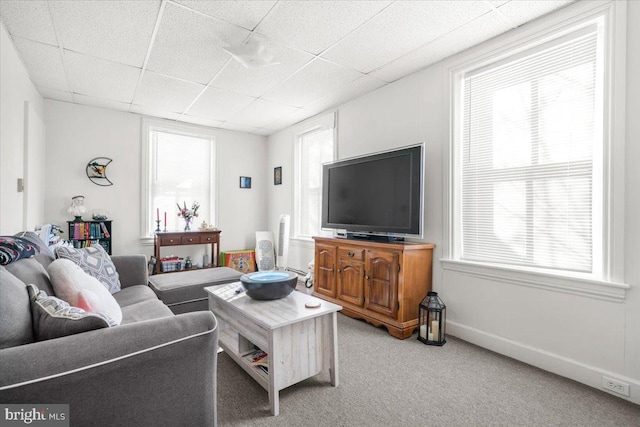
(154, 369)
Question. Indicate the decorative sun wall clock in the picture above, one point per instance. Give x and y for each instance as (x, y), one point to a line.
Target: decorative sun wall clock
(97, 171)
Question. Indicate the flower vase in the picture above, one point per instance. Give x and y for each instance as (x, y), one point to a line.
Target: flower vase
(187, 222)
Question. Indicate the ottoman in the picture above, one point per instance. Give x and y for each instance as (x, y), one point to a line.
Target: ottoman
(183, 291)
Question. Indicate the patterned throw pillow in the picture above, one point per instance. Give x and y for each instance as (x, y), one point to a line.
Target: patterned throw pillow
(15, 248)
(54, 318)
(96, 262)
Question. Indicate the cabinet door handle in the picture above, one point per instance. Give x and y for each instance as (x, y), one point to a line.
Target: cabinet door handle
(366, 277)
(191, 240)
(339, 271)
(350, 254)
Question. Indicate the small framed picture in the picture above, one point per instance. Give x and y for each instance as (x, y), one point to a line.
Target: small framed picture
(277, 175)
(245, 182)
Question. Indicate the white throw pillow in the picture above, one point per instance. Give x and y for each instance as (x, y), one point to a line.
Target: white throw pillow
(96, 262)
(69, 281)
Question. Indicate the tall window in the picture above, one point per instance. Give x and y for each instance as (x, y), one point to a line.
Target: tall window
(313, 148)
(529, 163)
(180, 170)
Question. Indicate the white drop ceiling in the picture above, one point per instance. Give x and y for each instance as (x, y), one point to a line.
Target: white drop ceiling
(165, 58)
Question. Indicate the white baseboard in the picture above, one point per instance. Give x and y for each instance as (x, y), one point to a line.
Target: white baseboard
(550, 362)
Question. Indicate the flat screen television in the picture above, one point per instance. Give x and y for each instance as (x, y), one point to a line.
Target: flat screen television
(375, 195)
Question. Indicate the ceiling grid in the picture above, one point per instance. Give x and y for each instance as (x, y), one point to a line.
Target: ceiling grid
(166, 58)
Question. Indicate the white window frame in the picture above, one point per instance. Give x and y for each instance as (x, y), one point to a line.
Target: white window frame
(317, 124)
(149, 125)
(609, 285)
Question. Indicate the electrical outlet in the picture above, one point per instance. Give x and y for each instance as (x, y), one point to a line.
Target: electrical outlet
(615, 386)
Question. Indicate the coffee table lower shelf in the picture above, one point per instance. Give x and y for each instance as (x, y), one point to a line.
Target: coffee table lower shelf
(300, 342)
(230, 342)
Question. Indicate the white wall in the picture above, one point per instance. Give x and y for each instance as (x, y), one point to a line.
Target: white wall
(76, 134)
(582, 337)
(15, 89)
(632, 197)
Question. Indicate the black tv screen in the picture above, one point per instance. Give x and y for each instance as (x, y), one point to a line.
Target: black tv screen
(377, 194)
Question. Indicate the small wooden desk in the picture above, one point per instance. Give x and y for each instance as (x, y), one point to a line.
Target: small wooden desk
(301, 342)
(195, 237)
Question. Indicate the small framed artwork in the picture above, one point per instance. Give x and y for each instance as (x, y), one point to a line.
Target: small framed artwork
(245, 182)
(277, 175)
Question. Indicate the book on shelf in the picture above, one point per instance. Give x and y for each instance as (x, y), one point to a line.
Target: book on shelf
(260, 360)
(105, 232)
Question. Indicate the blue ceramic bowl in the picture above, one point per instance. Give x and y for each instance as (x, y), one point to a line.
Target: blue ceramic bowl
(269, 285)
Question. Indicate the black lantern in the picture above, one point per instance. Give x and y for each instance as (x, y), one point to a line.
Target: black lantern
(432, 316)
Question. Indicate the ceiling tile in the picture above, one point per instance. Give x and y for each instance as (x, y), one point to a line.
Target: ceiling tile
(238, 128)
(345, 93)
(219, 104)
(476, 31)
(256, 81)
(189, 45)
(119, 31)
(260, 113)
(520, 11)
(101, 102)
(200, 121)
(58, 95)
(401, 28)
(100, 78)
(28, 19)
(154, 112)
(290, 119)
(43, 63)
(311, 83)
(313, 26)
(246, 14)
(166, 93)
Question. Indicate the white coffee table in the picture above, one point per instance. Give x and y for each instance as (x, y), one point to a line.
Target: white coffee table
(301, 342)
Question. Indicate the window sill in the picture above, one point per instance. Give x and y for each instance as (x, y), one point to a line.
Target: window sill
(146, 241)
(597, 289)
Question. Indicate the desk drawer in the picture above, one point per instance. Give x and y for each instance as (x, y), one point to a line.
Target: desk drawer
(168, 241)
(208, 239)
(190, 240)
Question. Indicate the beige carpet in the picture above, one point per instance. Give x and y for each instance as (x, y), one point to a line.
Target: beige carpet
(389, 382)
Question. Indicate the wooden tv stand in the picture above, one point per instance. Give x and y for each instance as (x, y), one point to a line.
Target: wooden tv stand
(380, 282)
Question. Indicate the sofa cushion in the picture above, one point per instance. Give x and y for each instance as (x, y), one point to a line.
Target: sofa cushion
(95, 261)
(15, 314)
(15, 248)
(134, 294)
(54, 318)
(70, 281)
(145, 310)
(31, 271)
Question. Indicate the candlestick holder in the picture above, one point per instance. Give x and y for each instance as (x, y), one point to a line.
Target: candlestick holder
(165, 228)
(158, 227)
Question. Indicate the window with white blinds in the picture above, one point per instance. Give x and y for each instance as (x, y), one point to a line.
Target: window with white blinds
(530, 166)
(313, 148)
(181, 171)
